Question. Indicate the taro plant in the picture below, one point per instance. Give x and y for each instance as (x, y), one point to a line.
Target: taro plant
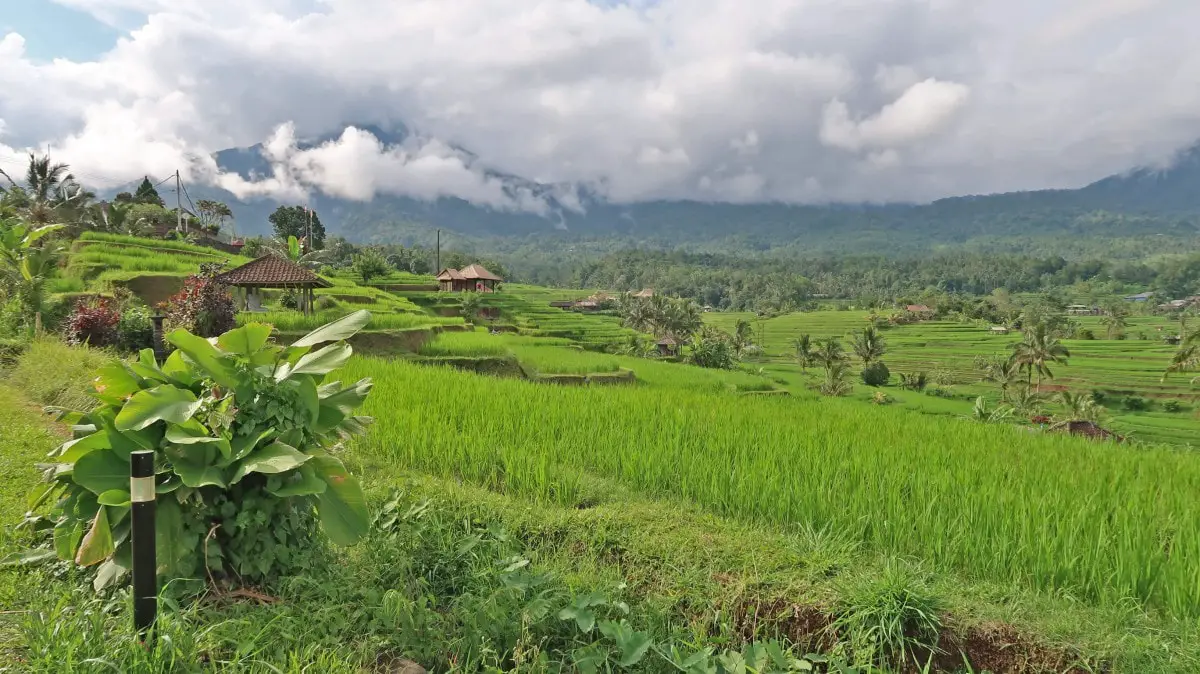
(245, 435)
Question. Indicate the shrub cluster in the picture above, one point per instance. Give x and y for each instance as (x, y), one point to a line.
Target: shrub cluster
(203, 307)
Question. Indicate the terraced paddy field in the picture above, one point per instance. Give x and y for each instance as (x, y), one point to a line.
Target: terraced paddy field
(947, 350)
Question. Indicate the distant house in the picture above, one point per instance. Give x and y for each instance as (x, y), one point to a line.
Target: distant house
(472, 278)
(562, 304)
(667, 346)
(271, 271)
(586, 305)
(1140, 297)
(1087, 429)
(999, 330)
(646, 292)
(918, 309)
(1082, 310)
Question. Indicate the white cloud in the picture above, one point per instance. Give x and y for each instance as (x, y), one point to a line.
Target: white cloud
(795, 100)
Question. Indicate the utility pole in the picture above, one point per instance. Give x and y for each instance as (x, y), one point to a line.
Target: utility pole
(178, 203)
(438, 264)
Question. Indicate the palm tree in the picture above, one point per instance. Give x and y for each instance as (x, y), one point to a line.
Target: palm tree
(805, 354)
(830, 352)
(1037, 351)
(869, 345)
(293, 249)
(1115, 317)
(836, 383)
(1080, 407)
(26, 262)
(1005, 372)
(1187, 356)
(1026, 402)
(742, 336)
(49, 192)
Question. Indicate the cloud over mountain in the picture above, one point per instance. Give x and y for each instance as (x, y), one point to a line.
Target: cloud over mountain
(726, 100)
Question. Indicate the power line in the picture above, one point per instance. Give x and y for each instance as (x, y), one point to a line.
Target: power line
(189, 198)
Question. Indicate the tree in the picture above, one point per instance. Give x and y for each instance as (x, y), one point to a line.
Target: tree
(805, 354)
(830, 351)
(49, 193)
(1005, 372)
(1187, 356)
(1080, 407)
(293, 250)
(147, 194)
(869, 345)
(1115, 315)
(836, 383)
(370, 264)
(1037, 351)
(298, 221)
(742, 336)
(713, 349)
(27, 261)
(213, 214)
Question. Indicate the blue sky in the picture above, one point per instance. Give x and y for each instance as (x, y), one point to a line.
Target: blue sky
(53, 31)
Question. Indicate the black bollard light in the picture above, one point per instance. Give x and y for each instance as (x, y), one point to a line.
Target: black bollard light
(160, 347)
(145, 564)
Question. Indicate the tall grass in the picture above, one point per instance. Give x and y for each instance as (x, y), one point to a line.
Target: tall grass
(294, 321)
(52, 373)
(1054, 513)
(475, 344)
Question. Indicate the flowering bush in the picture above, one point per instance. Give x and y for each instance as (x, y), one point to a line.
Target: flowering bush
(93, 322)
(204, 306)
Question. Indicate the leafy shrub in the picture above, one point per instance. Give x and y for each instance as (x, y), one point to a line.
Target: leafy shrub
(289, 299)
(714, 349)
(135, 330)
(93, 322)
(940, 392)
(913, 382)
(1173, 406)
(881, 398)
(325, 303)
(876, 374)
(203, 307)
(1085, 333)
(1099, 396)
(1136, 404)
(242, 433)
(370, 264)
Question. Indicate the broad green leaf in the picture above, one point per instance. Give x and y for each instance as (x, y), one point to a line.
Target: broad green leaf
(168, 537)
(265, 356)
(323, 361)
(161, 403)
(244, 444)
(146, 368)
(66, 537)
(218, 366)
(177, 369)
(196, 465)
(114, 383)
(108, 574)
(342, 506)
(303, 482)
(350, 398)
(343, 328)
(308, 395)
(26, 557)
(732, 663)
(114, 497)
(73, 450)
(97, 545)
(101, 471)
(274, 458)
(589, 659)
(245, 340)
(126, 441)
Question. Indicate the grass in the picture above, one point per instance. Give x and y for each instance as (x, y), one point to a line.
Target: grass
(1054, 513)
(431, 586)
(294, 321)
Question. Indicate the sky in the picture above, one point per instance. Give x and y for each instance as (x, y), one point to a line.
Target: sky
(800, 101)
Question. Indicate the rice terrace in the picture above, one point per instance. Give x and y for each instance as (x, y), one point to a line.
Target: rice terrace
(762, 342)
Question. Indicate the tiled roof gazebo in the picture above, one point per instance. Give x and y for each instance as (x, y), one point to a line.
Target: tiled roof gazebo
(272, 271)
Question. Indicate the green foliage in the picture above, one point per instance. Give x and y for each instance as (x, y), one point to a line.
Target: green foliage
(876, 374)
(714, 349)
(890, 620)
(147, 194)
(298, 221)
(1172, 406)
(204, 306)
(869, 345)
(243, 433)
(1136, 404)
(836, 382)
(369, 265)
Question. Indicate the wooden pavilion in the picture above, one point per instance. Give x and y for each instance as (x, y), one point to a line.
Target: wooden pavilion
(473, 278)
(272, 271)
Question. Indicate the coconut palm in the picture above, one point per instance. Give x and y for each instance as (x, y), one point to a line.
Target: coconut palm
(830, 351)
(836, 383)
(26, 261)
(1080, 407)
(294, 250)
(805, 354)
(1187, 356)
(742, 336)
(48, 194)
(1115, 319)
(1037, 351)
(869, 345)
(1005, 372)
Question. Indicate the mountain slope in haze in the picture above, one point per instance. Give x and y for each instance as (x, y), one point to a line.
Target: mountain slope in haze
(1141, 203)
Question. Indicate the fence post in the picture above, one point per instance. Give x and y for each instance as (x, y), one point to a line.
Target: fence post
(145, 564)
(160, 347)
